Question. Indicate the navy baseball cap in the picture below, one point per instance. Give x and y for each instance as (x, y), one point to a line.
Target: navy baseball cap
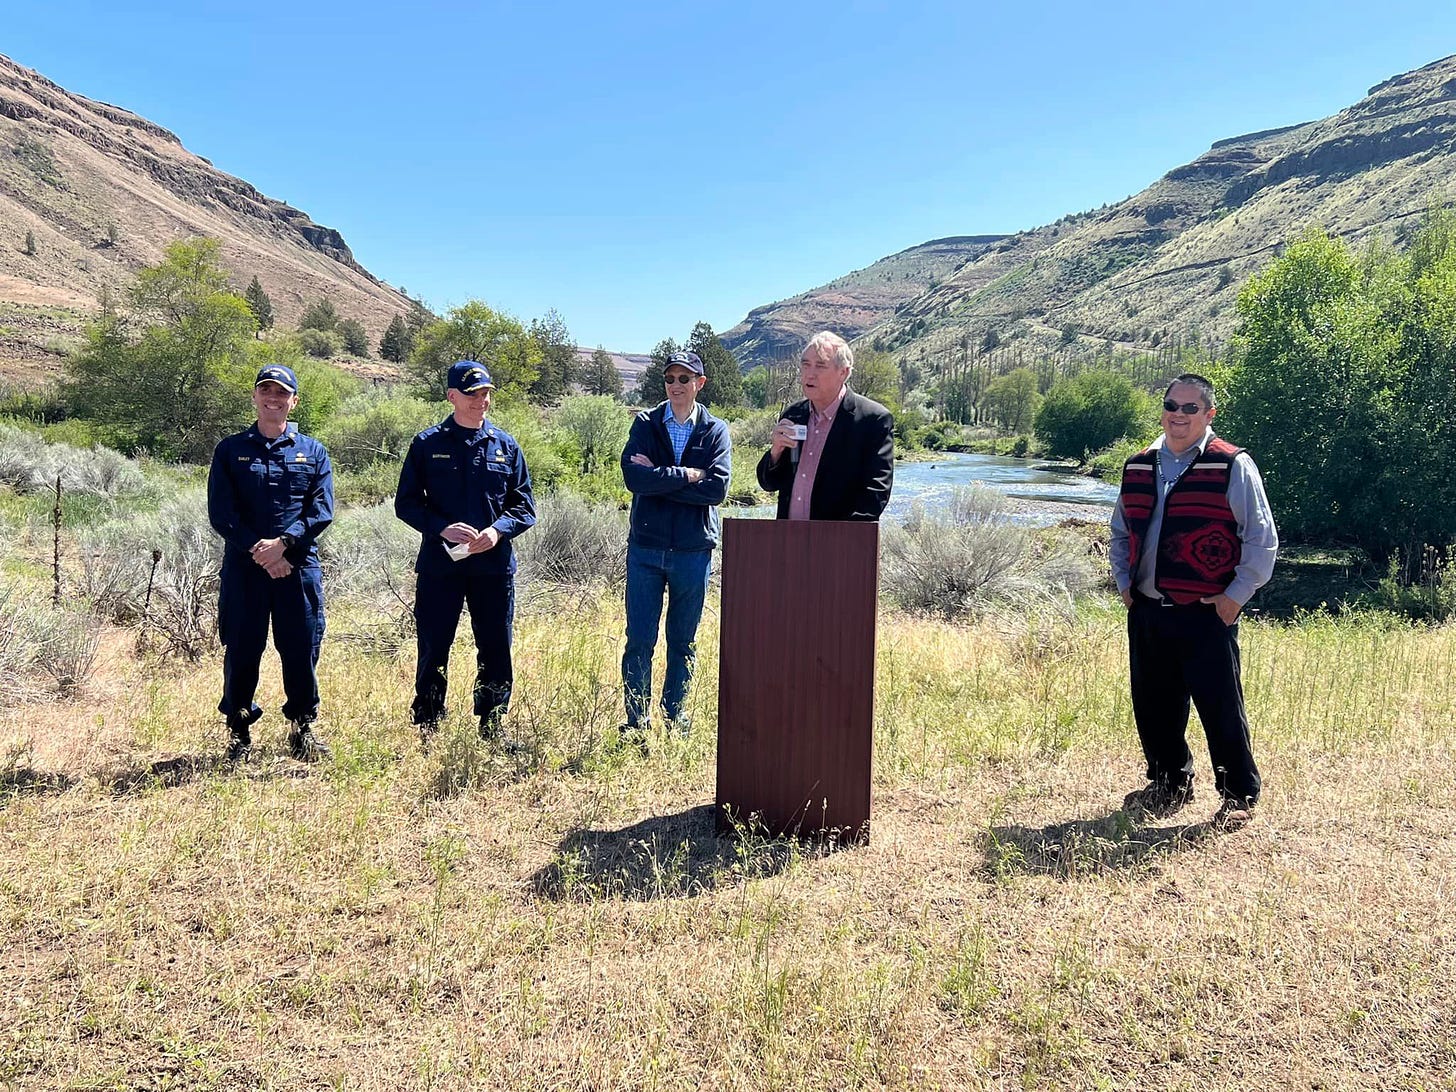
(687, 360)
(469, 377)
(277, 373)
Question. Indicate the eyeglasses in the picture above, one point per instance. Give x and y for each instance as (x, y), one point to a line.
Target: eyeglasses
(679, 378)
(1190, 408)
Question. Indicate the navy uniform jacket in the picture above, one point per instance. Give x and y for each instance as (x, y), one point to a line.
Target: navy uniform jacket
(668, 511)
(260, 488)
(458, 475)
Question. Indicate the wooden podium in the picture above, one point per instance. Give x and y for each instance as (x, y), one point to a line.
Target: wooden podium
(796, 676)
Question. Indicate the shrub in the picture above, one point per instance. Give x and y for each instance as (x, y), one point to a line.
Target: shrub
(752, 433)
(1430, 597)
(29, 464)
(159, 569)
(382, 430)
(368, 560)
(974, 558)
(575, 543)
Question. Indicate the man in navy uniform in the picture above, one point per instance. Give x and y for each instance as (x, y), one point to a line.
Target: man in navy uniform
(270, 494)
(676, 464)
(464, 486)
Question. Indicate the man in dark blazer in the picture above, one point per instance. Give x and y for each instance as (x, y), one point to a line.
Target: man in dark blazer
(833, 454)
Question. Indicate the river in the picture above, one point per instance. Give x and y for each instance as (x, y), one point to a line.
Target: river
(1038, 496)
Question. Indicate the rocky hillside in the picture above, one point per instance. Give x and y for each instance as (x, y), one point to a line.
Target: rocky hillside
(101, 192)
(852, 303)
(1169, 260)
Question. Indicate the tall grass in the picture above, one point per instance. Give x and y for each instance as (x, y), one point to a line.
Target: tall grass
(565, 918)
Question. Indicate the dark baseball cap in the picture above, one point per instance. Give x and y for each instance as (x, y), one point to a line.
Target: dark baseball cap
(687, 360)
(469, 377)
(277, 373)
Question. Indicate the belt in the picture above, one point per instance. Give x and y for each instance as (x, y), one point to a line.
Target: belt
(1165, 602)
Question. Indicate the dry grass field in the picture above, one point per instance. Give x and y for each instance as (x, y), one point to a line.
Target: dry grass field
(565, 919)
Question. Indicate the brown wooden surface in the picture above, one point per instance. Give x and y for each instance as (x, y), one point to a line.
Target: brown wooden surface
(796, 674)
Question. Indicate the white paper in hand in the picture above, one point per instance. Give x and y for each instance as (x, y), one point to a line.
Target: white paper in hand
(458, 551)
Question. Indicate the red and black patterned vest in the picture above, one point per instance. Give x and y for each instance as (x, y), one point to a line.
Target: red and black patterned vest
(1198, 545)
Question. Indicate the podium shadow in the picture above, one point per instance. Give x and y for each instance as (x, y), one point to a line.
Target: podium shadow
(674, 856)
(1084, 847)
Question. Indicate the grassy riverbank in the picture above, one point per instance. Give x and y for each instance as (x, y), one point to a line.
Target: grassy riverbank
(464, 919)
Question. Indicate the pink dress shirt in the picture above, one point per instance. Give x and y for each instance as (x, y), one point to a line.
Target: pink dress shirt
(813, 448)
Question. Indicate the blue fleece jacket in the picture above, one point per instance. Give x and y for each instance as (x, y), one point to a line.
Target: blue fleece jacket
(668, 511)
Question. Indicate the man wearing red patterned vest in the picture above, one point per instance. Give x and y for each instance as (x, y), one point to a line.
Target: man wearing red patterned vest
(1192, 540)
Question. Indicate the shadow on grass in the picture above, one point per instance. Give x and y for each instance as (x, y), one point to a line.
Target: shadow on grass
(1086, 847)
(665, 857)
(172, 773)
(23, 781)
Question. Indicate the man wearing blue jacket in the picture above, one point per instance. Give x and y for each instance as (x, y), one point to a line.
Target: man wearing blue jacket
(676, 464)
(270, 494)
(464, 486)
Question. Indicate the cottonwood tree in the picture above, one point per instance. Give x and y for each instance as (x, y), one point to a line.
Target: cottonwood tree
(1360, 352)
(474, 331)
(170, 372)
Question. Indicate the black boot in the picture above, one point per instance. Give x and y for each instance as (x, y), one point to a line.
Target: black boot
(304, 745)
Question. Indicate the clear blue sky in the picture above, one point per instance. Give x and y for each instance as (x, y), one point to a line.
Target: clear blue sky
(643, 166)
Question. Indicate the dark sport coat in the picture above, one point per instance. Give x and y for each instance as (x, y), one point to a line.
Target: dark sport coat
(856, 467)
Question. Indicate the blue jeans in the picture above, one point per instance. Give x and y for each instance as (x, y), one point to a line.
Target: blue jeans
(683, 576)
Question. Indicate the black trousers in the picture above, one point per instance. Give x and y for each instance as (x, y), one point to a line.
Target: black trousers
(439, 597)
(1178, 654)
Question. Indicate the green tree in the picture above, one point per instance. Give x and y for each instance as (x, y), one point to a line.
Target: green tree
(598, 424)
(29, 247)
(319, 315)
(394, 346)
(755, 387)
(473, 331)
(650, 388)
(320, 344)
(601, 376)
(558, 359)
(170, 374)
(259, 303)
(1082, 415)
(1343, 364)
(354, 336)
(1012, 400)
(725, 382)
(877, 376)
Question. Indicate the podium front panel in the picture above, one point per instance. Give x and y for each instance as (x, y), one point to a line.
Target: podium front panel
(796, 678)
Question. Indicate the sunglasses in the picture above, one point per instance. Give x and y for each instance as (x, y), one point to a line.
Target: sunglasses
(1190, 408)
(679, 378)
